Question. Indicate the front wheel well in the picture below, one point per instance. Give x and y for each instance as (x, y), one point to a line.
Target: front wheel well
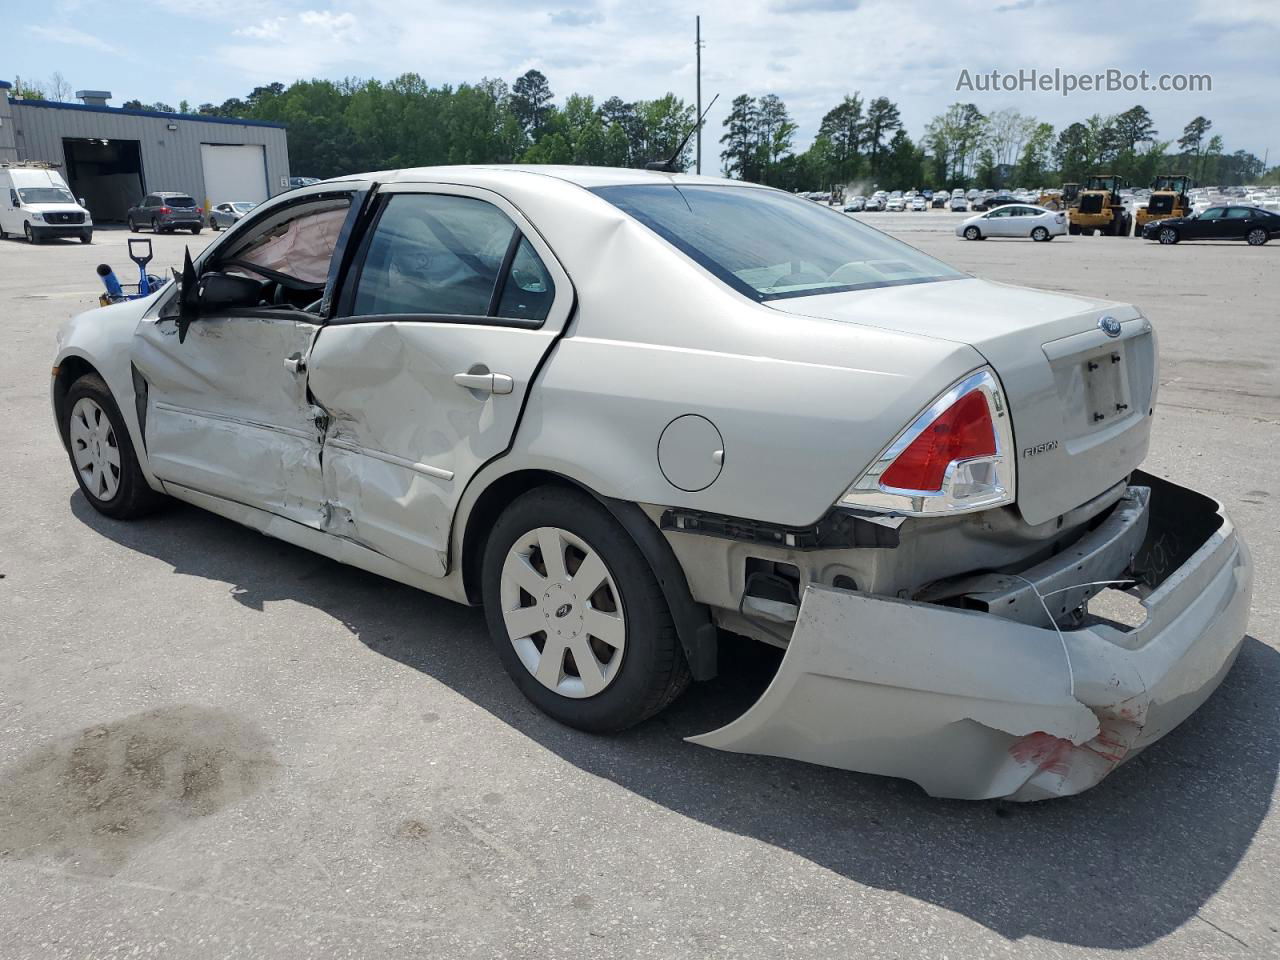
(70, 370)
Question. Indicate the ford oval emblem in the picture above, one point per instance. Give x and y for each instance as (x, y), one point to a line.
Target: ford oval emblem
(1109, 325)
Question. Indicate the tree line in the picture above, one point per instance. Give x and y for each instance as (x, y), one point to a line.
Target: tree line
(863, 143)
(338, 127)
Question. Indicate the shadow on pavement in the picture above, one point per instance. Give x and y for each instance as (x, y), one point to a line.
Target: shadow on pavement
(1120, 866)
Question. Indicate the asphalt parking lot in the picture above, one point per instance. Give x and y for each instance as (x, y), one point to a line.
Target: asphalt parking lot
(217, 745)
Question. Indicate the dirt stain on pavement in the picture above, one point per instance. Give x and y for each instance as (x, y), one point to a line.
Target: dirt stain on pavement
(106, 790)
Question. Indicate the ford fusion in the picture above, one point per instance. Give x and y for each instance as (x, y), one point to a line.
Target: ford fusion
(632, 413)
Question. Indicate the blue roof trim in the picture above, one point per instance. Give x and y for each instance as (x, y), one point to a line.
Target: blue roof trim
(121, 112)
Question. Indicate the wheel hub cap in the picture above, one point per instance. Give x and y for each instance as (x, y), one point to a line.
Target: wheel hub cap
(562, 612)
(94, 449)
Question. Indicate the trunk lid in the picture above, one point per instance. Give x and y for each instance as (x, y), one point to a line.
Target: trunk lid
(1079, 399)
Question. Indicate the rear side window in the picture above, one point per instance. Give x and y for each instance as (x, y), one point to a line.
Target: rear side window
(441, 255)
(1239, 213)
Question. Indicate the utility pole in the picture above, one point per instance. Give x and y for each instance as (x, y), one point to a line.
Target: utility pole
(697, 44)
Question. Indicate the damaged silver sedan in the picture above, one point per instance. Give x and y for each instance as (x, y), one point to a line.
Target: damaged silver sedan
(631, 411)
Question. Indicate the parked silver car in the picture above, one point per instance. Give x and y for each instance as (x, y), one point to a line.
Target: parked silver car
(627, 411)
(223, 215)
(165, 212)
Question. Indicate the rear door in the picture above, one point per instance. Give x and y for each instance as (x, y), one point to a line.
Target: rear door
(452, 303)
(1237, 222)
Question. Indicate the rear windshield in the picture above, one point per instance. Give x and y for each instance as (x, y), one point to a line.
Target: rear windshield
(179, 202)
(767, 244)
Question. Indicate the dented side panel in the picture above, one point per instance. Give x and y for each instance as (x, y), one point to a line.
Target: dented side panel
(226, 416)
(403, 438)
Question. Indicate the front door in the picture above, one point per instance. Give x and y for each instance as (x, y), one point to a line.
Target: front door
(227, 412)
(452, 303)
(997, 222)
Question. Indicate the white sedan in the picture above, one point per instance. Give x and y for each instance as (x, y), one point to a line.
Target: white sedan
(919, 203)
(629, 412)
(1015, 220)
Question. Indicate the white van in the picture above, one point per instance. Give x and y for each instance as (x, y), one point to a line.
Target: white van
(37, 203)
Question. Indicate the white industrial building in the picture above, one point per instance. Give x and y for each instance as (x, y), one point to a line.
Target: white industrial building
(112, 157)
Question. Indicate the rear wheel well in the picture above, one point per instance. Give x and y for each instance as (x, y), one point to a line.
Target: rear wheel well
(485, 513)
(697, 632)
(70, 370)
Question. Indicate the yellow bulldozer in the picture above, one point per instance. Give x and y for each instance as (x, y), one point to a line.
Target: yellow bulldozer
(1168, 199)
(1100, 209)
(1062, 199)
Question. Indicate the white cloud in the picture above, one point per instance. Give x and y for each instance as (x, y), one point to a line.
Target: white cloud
(57, 33)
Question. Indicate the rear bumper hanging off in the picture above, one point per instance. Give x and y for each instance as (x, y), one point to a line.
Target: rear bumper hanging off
(974, 705)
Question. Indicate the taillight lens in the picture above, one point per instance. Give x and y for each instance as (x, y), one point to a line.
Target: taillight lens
(165, 210)
(955, 457)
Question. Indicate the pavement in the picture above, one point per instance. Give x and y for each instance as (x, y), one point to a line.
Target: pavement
(213, 744)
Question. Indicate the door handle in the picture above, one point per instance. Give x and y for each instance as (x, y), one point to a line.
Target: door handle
(485, 382)
(295, 364)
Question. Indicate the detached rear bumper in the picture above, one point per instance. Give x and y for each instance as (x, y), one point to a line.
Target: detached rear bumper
(974, 706)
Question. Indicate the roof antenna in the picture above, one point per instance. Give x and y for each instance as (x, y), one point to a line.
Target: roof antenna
(669, 165)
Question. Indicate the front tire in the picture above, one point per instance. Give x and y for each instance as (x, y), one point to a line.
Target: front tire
(86, 237)
(1040, 234)
(28, 233)
(102, 455)
(133, 227)
(1168, 235)
(577, 615)
(1256, 237)
(972, 233)
(155, 225)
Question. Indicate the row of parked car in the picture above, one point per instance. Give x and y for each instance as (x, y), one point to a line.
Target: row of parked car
(957, 200)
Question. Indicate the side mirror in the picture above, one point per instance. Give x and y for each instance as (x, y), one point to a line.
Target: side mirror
(80, 200)
(220, 291)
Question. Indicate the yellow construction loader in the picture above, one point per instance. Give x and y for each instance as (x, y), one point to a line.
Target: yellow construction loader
(1062, 199)
(1168, 199)
(1100, 209)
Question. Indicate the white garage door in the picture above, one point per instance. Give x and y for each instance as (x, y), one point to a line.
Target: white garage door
(233, 172)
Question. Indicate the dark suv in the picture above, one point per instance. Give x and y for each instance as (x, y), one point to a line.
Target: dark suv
(165, 212)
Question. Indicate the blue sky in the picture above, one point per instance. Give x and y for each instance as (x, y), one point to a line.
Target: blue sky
(810, 52)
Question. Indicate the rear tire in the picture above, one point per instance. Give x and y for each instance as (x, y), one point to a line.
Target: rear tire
(1256, 237)
(972, 233)
(624, 624)
(101, 453)
(1040, 234)
(195, 230)
(213, 224)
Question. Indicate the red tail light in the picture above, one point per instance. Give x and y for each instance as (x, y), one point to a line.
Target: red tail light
(165, 210)
(963, 432)
(955, 457)
(199, 209)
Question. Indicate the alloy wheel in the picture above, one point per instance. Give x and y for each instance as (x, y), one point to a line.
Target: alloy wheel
(1168, 235)
(95, 448)
(1257, 237)
(563, 612)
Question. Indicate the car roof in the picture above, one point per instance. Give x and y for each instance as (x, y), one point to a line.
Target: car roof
(586, 177)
